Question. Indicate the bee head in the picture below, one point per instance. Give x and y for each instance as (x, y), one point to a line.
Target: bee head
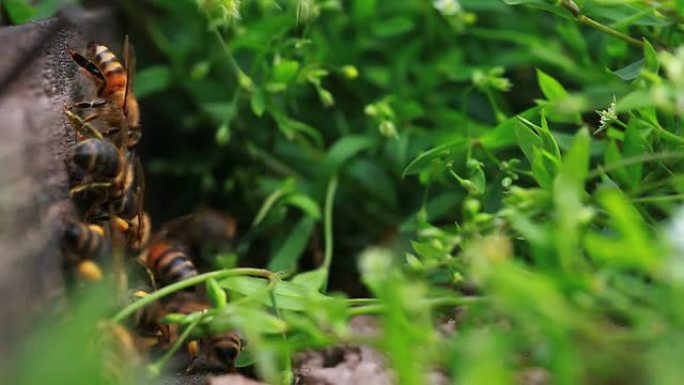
(70, 236)
(226, 354)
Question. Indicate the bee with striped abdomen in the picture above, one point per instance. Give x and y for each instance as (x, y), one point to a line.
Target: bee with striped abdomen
(80, 245)
(107, 174)
(128, 209)
(223, 347)
(168, 262)
(116, 105)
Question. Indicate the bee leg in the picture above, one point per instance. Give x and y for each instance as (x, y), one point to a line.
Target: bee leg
(97, 103)
(89, 270)
(86, 64)
(83, 123)
(84, 186)
(193, 351)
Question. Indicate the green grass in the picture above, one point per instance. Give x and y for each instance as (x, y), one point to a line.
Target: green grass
(514, 149)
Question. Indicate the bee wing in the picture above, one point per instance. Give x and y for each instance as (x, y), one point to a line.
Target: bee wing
(171, 228)
(129, 62)
(140, 181)
(86, 64)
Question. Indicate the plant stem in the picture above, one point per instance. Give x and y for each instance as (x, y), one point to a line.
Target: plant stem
(266, 207)
(659, 198)
(156, 368)
(634, 160)
(431, 302)
(574, 10)
(665, 134)
(164, 291)
(328, 218)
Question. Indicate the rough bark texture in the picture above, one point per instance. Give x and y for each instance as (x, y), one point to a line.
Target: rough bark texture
(37, 78)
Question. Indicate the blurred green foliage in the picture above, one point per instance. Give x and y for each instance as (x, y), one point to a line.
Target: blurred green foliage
(515, 160)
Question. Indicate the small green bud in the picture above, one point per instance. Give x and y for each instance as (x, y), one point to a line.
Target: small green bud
(370, 110)
(222, 136)
(472, 206)
(388, 129)
(326, 97)
(216, 294)
(350, 72)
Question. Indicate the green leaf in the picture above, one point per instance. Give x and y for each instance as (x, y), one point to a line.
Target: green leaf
(257, 101)
(543, 163)
(247, 318)
(634, 246)
(220, 112)
(393, 26)
(312, 280)
(528, 139)
(631, 71)
(633, 146)
(550, 87)
(284, 71)
(542, 170)
(651, 57)
(19, 11)
(151, 80)
(549, 142)
(576, 161)
(288, 295)
(343, 150)
(291, 249)
(291, 128)
(440, 154)
(305, 203)
(613, 155)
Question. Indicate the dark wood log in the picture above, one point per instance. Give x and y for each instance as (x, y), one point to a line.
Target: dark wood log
(37, 78)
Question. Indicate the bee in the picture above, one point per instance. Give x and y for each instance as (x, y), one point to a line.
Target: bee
(107, 174)
(206, 234)
(116, 104)
(128, 206)
(119, 353)
(100, 159)
(223, 347)
(80, 244)
(168, 262)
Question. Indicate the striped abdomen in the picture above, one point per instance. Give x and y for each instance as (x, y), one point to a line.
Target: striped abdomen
(225, 348)
(81, 241)
(98, 158)
(169, 264)
(115, 88)
(112, 70)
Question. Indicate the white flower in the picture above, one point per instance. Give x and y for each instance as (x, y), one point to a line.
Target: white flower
(674, 267)
(608, 116)
(447, 7)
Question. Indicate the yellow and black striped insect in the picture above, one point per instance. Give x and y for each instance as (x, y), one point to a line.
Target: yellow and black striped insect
(114, 179)
(223, 347)
(168, 262)
(127, 206)
(81, 244)
(116, 105)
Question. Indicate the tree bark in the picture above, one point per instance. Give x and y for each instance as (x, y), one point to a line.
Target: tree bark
(37, 78)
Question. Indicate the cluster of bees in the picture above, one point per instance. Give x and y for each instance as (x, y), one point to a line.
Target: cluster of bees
(108, 189)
